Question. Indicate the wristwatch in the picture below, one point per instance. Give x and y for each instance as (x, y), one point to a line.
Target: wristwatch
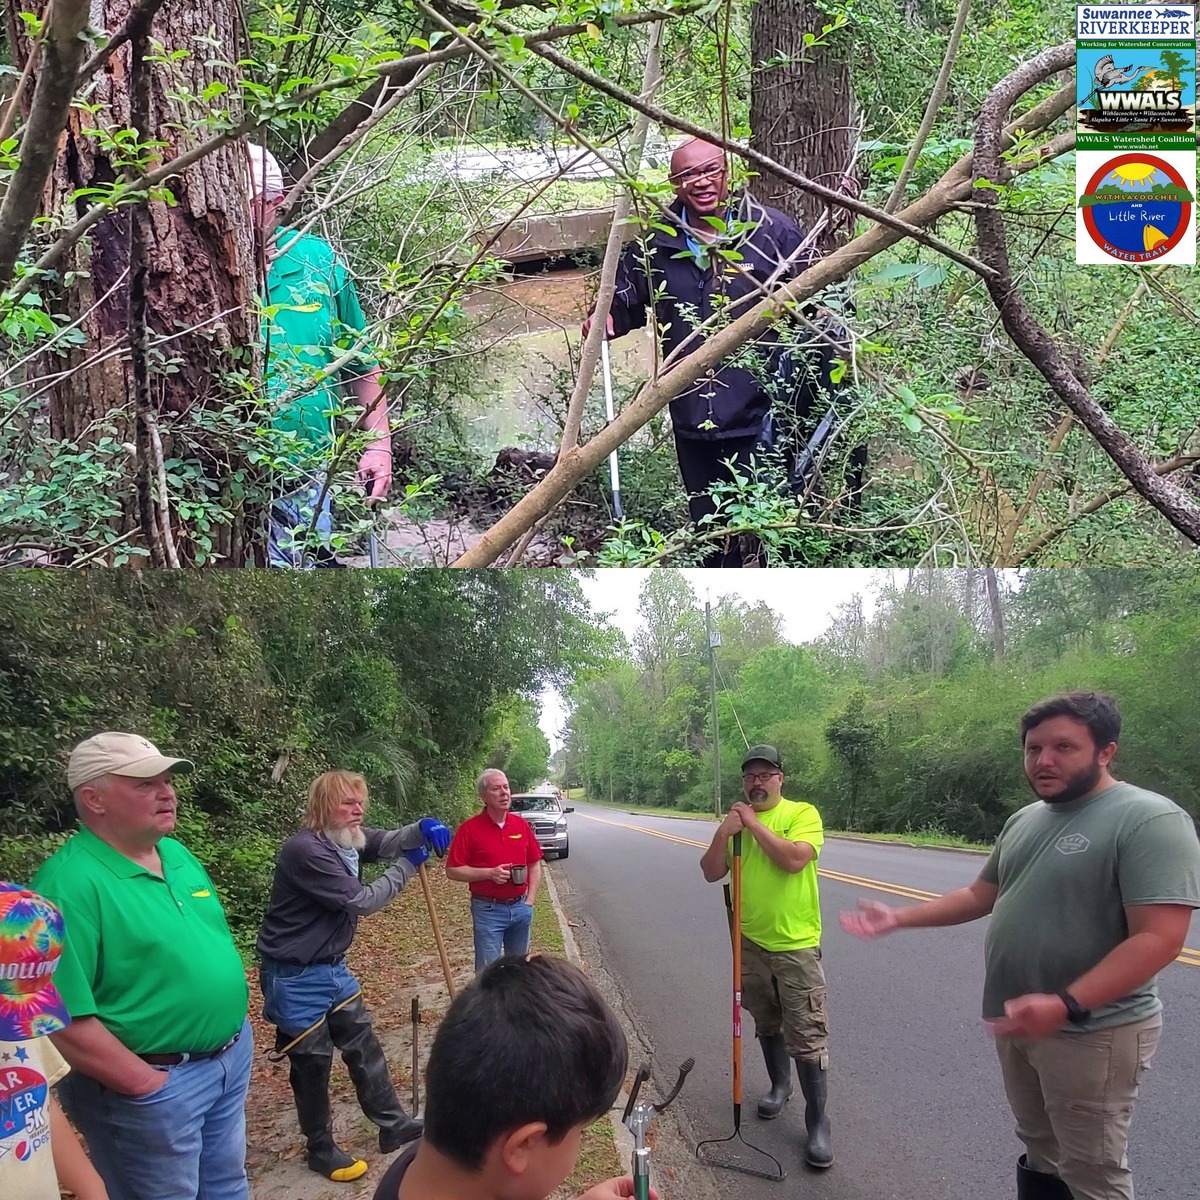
(1076, 1013)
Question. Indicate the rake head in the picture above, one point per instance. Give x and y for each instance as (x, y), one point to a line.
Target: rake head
(748, 1159)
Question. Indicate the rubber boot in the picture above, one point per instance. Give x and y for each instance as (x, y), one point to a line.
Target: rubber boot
(354, 1035)
(1039, 1185)
(309, 1077)
(779, 1068)
(814, 1083)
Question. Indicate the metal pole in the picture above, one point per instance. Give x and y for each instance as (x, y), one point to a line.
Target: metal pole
(614, 474)
(714, 640)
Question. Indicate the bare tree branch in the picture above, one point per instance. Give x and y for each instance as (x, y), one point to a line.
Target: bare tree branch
(1043, 539)
(589, 353)
(137, 24)
(931, 109)
(400, 71)
(1029, 336)
(62, 48)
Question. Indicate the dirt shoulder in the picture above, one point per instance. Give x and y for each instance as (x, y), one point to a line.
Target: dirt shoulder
(394, 955)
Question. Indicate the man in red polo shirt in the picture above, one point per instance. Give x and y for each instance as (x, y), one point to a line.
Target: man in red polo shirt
(496, 853)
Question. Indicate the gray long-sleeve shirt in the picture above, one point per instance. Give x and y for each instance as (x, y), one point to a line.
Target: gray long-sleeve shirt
(316, 901)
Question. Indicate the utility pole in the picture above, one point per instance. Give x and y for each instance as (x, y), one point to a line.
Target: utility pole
(714, 640)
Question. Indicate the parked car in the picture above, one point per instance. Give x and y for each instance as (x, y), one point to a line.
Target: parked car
(547, 816)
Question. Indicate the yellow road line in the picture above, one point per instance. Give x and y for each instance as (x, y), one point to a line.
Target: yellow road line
(1187, 956)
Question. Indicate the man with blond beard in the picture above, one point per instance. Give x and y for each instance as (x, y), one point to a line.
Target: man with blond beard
(309, 993)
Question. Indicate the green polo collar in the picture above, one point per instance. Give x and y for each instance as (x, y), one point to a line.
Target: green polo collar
(114, 860)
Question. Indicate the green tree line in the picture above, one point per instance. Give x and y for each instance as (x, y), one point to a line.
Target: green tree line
(904, 719)
(417, 679)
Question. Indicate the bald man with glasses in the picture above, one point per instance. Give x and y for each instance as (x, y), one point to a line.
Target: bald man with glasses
(704, 263)
(783, 983)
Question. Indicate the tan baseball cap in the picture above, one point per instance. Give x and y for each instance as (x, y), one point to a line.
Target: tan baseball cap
(119, 754)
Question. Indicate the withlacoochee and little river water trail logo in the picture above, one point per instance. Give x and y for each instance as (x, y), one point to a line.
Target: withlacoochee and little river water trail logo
(1136, 207)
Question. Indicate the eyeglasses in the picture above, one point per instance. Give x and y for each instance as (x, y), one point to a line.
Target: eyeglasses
(696, 174)
(758, 776)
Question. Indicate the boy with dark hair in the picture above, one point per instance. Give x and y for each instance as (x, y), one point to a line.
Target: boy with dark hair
(528, 1056)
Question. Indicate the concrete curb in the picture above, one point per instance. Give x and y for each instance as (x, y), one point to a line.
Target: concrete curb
(622, 1138)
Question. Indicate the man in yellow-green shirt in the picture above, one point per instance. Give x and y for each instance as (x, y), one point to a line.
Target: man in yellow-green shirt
(783, 984)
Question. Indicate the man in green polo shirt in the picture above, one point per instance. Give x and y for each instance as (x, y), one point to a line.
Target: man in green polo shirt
(159, 1040)
(783, 983)
(314, 330)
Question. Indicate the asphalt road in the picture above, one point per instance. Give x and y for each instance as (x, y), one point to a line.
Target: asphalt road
(915, 1094)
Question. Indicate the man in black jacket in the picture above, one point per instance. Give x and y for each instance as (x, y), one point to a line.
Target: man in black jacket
(718, 259)
(308, 991)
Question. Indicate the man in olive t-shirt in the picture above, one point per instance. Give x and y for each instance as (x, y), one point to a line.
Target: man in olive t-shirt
(159, 1042)
(783, 984)
(1091, 891)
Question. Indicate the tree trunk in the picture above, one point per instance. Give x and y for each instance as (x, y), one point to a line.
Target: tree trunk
(199, 274)
(993, 592)
(802, 113)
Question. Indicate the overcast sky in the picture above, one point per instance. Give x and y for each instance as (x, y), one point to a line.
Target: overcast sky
(806, 599)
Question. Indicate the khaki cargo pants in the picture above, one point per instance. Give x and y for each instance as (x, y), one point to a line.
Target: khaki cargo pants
(1072, 1095)
(785, 989)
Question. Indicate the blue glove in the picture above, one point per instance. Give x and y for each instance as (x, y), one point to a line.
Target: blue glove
(416, 856)
(436, 835)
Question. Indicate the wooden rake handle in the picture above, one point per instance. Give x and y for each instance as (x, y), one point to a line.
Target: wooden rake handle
(437, 930)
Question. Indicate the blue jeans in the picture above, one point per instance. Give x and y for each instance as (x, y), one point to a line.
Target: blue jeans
(291, 516)
(295, 998)
(499, 929)
(187, 1141)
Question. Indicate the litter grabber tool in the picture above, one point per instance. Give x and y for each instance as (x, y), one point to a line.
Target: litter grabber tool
(716, 1152)
(609, 411)
(637, 1117)
(805, 467)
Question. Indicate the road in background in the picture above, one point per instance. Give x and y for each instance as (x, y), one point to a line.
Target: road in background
(915, 1094)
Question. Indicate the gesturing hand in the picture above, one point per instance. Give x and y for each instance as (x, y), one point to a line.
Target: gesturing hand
(873, 919)
(1036, 1015)
(417, 855)
(436, 835)
(375, 470)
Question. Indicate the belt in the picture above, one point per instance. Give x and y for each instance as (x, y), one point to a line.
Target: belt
(181, 1057)
(497, 900)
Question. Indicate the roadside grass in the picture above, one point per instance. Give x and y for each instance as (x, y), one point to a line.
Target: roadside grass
(917, 837)
(598, 1159)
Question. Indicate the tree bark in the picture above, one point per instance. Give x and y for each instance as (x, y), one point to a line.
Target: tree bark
(802, 113)
(199, 270)
(997, 608)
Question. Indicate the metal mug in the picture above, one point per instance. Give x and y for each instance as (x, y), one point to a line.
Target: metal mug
(517, 872)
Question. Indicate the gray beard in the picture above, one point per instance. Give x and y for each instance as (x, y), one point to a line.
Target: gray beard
(350, 838)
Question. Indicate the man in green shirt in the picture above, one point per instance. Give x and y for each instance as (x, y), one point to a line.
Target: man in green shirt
(1091, 890)
(159, 1040)
(783, 983)
(314, 331)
